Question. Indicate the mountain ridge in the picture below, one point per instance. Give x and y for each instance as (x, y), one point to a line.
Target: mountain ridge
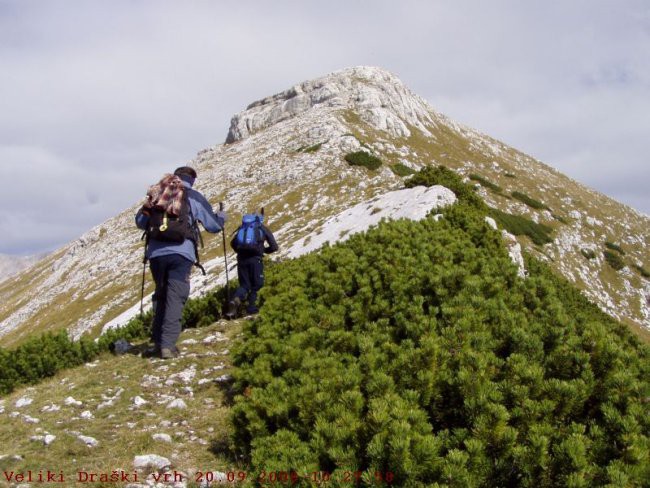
(267, 163)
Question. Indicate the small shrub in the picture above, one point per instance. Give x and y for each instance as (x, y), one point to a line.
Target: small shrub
(642, 271)
(559, 218)
(540, 234)
(441, 175)
(363, 158)
(401, 170)
(588, 253)
(531, 202)
(614, 247)
(614, 260)
(314, 148)
(485, 183)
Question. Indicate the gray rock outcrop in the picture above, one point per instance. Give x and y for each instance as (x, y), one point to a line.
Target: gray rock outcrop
(380, 98)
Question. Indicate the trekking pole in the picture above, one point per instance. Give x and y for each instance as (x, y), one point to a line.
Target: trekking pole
(144, 238)
(144, 270)
(225, 254)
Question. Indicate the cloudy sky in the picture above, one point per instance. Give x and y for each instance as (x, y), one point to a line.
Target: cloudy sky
(98, 98)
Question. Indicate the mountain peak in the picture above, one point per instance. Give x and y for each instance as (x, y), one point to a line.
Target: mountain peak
(376, 94)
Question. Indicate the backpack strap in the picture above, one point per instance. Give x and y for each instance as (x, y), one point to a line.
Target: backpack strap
(197, 231)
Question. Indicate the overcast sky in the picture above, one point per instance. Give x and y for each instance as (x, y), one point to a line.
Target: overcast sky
(99, 98)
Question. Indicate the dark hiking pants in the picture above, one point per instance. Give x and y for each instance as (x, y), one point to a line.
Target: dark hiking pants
(250, 272)
(172, 276)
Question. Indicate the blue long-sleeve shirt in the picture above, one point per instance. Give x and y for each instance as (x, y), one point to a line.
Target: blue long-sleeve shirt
(201, 211)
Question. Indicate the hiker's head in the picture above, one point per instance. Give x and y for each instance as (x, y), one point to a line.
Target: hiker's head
(186, 173)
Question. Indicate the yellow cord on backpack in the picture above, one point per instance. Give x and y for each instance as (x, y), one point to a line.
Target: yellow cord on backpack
(163, 227)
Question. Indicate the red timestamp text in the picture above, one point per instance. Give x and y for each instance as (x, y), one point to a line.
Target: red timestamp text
(292, 477)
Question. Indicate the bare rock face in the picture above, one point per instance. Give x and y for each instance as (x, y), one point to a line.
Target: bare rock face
(378, 96)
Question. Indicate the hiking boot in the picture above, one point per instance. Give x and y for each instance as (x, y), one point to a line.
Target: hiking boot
(151, 352)
(231, 312)
(168, 353)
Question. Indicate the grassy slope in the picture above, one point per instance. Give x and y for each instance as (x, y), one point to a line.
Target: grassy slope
(122, 431)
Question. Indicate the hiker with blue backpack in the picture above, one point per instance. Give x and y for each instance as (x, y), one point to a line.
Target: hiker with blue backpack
(249, 244)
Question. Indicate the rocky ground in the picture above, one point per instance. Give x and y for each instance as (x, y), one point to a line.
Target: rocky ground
(126, 416)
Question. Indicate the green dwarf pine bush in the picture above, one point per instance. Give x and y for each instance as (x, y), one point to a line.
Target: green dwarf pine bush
(614, 247)
(540, 234)
(401, 169)
(614, 259)
(486, 183)
(561, 219)
(642, 271)
(416, 349)
(441, 175)
(588, 253)
(363, 158)
(531, 202)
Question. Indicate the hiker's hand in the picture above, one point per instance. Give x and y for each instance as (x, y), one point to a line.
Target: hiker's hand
(221, 215)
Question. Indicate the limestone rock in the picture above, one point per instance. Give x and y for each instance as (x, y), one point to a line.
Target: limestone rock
(71, 402)
(138, 401)
(514, 251)
(216, 337)
(23, 402)
(177, 403)
(491, 222)
(50, 408)
(89, 441)
(380, 98)
(151, 461)
(162, 438)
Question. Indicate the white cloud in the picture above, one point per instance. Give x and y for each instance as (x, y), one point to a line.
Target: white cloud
(121, 91)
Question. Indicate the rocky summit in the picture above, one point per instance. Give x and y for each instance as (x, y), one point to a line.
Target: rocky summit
(287, 153)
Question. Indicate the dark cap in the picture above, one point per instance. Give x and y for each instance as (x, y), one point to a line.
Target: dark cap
(185, 171)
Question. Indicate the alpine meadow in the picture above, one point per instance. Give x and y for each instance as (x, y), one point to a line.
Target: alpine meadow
(445, 311)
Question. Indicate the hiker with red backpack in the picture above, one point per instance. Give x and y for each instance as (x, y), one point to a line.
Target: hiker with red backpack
(249, 244)
(170, 218)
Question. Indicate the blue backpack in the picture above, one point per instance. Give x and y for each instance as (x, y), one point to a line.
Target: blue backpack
(249, 234)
